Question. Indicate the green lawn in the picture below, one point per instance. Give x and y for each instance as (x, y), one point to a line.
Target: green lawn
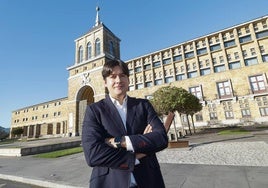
(8, 141)
(60, 153)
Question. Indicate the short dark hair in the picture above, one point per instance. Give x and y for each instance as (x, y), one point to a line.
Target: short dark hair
(109, 65)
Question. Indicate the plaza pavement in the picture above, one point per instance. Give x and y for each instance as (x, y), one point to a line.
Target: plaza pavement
(211, 161)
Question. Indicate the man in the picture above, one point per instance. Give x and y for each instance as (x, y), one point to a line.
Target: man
(121, 135)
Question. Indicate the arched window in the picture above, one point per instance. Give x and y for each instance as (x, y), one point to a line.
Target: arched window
(97, 47)
(80, 57)
(88, 50)
(111, 48)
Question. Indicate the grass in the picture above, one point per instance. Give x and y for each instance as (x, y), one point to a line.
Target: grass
(60, 153)
(8, 141)
(233, 132)
(262, 127)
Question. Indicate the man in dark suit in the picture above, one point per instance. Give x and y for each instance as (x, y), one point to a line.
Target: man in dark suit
(121, 135)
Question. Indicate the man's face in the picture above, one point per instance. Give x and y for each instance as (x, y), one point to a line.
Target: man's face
(117, 83)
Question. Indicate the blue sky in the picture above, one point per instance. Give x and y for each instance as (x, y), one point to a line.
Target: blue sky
(37, 37)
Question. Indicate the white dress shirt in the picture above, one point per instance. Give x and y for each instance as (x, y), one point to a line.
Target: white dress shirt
(122, 110)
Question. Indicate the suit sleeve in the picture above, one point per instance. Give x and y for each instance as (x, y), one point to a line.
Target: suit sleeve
(96, 151)
(152, 142)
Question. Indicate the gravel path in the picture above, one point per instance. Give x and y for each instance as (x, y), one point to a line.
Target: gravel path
(220, 153)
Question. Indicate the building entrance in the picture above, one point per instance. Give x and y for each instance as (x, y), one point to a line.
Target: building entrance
(85, 96)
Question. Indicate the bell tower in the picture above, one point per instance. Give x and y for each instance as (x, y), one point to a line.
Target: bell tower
(85, 83)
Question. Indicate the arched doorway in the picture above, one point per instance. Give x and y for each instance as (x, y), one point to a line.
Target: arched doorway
(85, 96)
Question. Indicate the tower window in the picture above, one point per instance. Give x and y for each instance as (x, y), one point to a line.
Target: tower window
(80, 58)
(89, 49)
(97, 47)
(111, 47)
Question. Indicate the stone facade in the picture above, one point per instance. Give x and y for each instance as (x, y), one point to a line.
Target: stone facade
(227, 70)
(45, 119)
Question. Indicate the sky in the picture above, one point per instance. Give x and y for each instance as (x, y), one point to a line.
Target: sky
(37, 37)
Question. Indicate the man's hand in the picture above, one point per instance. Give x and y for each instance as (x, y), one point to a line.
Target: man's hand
(148, 129)
(110, 141)
(140, 155)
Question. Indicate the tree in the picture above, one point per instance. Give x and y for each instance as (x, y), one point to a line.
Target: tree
(191, 106)
(3, 133)
(165, 100)
(17, 131)
(169, 99)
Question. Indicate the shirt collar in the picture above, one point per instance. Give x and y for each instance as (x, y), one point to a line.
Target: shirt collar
(116, 102)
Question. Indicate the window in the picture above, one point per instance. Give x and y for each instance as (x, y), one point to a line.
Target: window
(131, 88)
(253, 52)
(97, 47)
(80, 57)
(245, 113)
(265, 58)
(180, 77)
(229, 43)
(234, 65)
(194, 66)
(202, 51)
(189, 54)
(89, 49)
(201, 64)
(205, 71)
(257, 84)
(255, 27)
(196, 91)
(236, 55)
(157, 64)
(245, 39)
(247, 29)
(221, 59)
(215, 47)
(169, 79)
(192, 74)
(148, 84)
(262, 34)
(158, 82)
(214, 60)
(264, 111)
(220, 68)
(262, 49)
(138, 69)
(229, 114)
(239, 32)
(224, 89)
(244, 52)
(177, 58)
(111, 48)
(147, 67)
(166, 61)
(199, 117)
(229, 57)
(264, 24)
(251, 61)
(139, 86)
(213, 116)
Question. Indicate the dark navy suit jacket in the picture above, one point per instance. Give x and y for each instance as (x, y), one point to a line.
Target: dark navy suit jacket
(111, 166)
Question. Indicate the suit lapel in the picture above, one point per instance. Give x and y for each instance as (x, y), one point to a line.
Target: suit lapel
(131, 110)
(114, 115)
